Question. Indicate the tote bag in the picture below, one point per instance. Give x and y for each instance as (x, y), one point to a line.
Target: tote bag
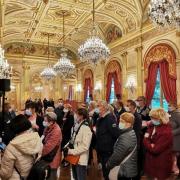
(113, 174)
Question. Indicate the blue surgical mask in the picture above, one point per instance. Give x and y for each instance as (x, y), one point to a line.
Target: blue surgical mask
(155, 122)
(28, 112)
(121, 125)
(96, 110)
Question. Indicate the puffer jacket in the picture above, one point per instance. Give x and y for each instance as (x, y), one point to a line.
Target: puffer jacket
(123, 147)
(52, 139)
(81, 144)
(20, 153)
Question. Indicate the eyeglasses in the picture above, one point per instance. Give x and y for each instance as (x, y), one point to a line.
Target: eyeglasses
(139, 100)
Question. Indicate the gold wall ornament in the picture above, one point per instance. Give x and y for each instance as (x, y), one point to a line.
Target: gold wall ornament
(158, 53)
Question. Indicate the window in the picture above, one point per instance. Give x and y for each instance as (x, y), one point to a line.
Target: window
(158, 97)
(112, 95)
(87, 96)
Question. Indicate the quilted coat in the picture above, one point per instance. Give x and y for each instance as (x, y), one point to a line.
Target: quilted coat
(20, 153)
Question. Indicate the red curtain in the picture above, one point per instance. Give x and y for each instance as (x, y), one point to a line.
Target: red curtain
(70, 97)
(168, 83)
(117, 85)
(151, 82)
(108, 86)
(87, 84)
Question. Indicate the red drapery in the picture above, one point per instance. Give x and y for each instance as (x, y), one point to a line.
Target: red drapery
(168, 83)
(87, 84)
(70, 97)
(117, 86)
(108, 86)
(151, 82)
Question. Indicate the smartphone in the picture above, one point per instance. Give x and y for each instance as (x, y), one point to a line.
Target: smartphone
(2, 146)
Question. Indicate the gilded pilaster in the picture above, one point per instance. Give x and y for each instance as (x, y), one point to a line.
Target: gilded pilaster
(139, 71)
(124, 72)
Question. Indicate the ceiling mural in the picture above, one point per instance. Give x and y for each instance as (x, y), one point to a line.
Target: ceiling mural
(27, 19)
(36, 50)
(113, 33)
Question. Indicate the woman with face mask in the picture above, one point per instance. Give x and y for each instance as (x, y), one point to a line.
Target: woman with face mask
(68, 122)
(34, 118)
(79, 144)
(52, 142)
(158, 142)
(123, 162)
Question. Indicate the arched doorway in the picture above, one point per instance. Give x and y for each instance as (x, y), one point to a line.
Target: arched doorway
(88, 85)
(113, 75)
(160, 75)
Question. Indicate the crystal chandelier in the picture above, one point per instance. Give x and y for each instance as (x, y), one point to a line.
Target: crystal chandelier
(48, 73)
(5, 70)
(64, 66)
(165, 13)
(93, 50)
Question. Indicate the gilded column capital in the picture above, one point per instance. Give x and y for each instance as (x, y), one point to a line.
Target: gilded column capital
(124, 55)
(139, 48)
(26, 67)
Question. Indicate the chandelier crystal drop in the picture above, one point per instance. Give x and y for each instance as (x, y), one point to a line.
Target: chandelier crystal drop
(48, 73)
(5, 70)
(93, 50)
(165, 13)
(64, 66)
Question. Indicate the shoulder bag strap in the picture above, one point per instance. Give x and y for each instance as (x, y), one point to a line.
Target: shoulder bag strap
(127, 157)
(21, 178)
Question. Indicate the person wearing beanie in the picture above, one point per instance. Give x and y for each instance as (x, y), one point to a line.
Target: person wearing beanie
(52, 142)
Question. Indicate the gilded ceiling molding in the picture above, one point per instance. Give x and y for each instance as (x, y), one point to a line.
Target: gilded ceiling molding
(158, 53)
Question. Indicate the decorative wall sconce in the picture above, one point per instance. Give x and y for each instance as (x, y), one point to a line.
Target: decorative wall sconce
(38, 88)
(78, 88)
(131, 83)
(98, 86)
(65, 88)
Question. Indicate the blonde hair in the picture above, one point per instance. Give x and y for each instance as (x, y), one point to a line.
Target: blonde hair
(159, 114)
(127, 117)
(93, 104)
(111, 108)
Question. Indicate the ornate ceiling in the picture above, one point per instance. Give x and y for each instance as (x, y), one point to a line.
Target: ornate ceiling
(29, 21)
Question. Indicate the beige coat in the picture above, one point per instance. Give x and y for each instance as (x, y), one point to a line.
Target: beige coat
(20, 153)
(81, 145)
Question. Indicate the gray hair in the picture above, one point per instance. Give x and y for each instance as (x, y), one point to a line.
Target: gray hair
(104, 104)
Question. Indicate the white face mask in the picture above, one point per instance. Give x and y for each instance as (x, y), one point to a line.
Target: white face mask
(45, 124)
(127, 109)
(66, 110)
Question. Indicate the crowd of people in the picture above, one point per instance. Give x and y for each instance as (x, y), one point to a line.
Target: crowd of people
(129, 138)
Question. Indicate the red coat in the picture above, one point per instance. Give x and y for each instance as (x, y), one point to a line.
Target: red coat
(53, 137)
(158, 162)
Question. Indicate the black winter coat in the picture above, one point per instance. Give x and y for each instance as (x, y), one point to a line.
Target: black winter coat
(107, 133)
(122, 148)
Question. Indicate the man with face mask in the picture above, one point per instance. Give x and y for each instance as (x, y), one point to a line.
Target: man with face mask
(131, 107)
(59, 112)
(175, 123)
(107, 132)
